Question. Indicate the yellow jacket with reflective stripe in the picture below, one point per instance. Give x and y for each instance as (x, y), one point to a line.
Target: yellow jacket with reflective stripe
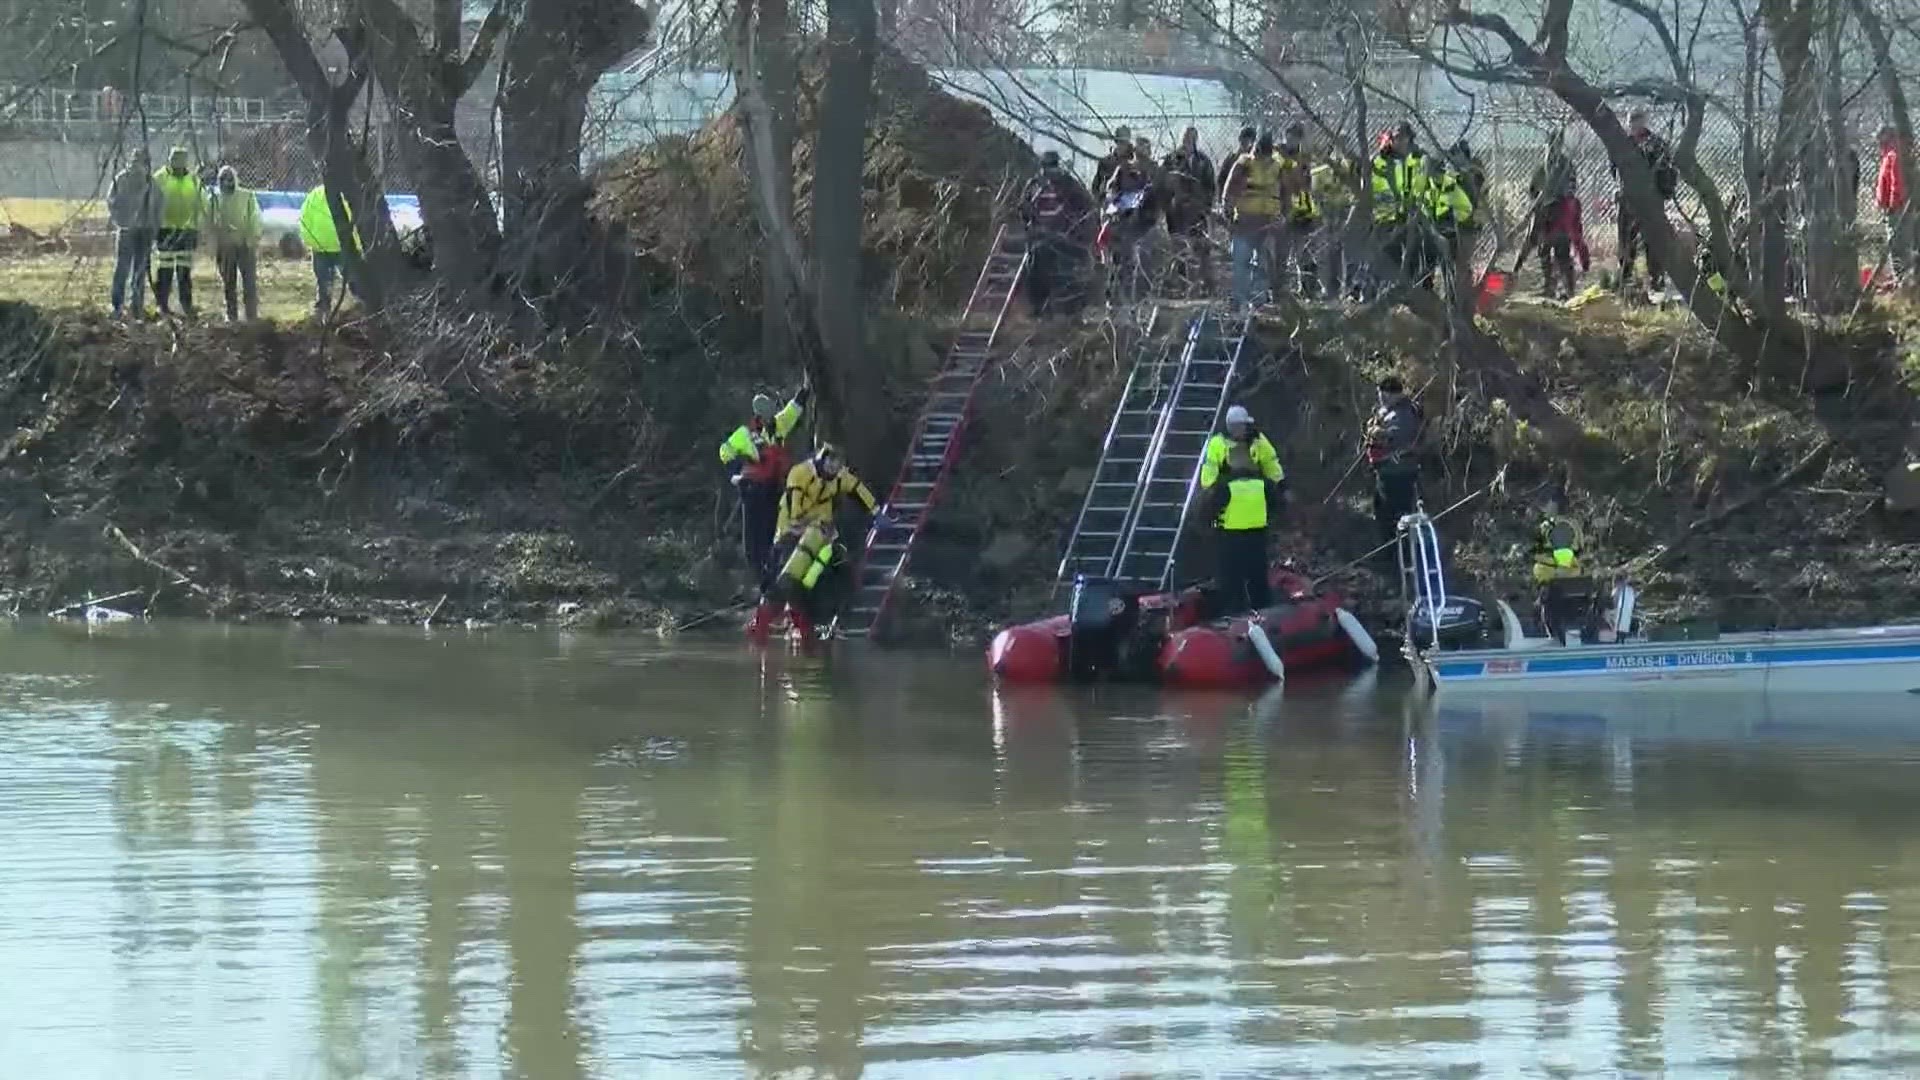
(745, 442)
(1260, 450)
(1555, 533)
(180, 198)
(1399, 184)
(810, 497)
(1260, 196)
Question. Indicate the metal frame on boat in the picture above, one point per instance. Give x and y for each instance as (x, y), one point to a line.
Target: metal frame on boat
(1873, 659)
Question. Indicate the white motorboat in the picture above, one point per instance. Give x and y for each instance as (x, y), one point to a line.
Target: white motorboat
(1449, 645)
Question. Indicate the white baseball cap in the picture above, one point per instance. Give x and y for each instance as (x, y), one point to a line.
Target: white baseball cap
(1239, 415)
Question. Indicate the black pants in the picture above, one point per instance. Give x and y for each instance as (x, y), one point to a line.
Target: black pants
(1396, 491)
(1632, 239)
(1559, 607)
(759, 511)
(1053, 276)
(1241, 574)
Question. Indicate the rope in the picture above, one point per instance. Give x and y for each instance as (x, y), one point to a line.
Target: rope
(1464, 500)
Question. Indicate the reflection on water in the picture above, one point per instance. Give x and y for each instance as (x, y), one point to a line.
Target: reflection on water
(299, 854)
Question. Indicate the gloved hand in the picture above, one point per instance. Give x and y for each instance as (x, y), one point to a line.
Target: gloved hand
(734, 479)
(883, 520)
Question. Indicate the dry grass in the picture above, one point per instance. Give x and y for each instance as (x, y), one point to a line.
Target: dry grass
(64, 282)
(52, 215)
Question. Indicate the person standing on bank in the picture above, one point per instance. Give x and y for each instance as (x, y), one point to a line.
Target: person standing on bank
(1187, 175)
(1241, 477)
(182, 202)
(133, 204)
(235, 222)
(1392, 443)
(322, 242)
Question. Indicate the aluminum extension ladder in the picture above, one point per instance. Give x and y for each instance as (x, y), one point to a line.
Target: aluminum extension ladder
(937, 436)
(1143, 490)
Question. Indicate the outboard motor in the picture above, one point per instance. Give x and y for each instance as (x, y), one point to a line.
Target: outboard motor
(1099, 618)
(1462, 624)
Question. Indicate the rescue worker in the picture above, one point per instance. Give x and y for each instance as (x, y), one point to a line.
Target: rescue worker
(1301, 210)
(809, 547)
(1253, 200)
(1452, 214)
(322, 240)
(1556, 565)
(182, 202)
(1399, 202)
(234, 219)
(1240, 475)
(1187, 176)
(1058, 211)
(1470, 176)
(1392, 445)
(757, 462)
(1666, 181)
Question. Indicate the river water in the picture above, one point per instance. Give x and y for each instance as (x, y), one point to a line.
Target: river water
(298, 853)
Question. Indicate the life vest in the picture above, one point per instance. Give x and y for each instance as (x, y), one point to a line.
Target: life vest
(180, 201)
(766, 452)
(1246, 504)
(1451, 203)
(1261, 195)
(1556, 550)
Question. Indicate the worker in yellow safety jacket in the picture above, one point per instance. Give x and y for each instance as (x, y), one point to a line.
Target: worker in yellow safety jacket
(1556, 565)
(809, 549)
(322, 240)
(1241, 477)
(1399, 190)
(182, 201)
(757, 463)
(1301, 210)
(1253, 201)
(1450, 209)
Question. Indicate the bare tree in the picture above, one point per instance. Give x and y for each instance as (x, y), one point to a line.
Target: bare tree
(823, 293)
(1496, 52)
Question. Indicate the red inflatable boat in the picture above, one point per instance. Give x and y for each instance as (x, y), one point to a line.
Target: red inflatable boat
(1162, 637)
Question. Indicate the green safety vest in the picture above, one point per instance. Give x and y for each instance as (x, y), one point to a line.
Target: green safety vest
(1246, 505)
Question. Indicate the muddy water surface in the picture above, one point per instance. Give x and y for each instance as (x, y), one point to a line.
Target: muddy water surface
(288, 853)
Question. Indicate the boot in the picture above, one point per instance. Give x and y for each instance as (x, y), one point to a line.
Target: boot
(761, 624)
(802, 626)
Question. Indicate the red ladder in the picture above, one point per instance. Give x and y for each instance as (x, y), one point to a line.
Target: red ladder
(936, 437)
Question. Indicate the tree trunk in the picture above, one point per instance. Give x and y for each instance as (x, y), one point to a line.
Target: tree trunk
(839, 213)
(1781, 349)
(424, 89)
(777, 75)
(554, 56)
(344, 167)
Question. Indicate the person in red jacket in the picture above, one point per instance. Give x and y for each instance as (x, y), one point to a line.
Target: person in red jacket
(1890, 192)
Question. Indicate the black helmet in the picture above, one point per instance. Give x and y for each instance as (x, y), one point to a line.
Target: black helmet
(1050, 159)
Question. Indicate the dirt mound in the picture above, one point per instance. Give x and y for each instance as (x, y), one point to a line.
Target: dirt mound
(937, 167)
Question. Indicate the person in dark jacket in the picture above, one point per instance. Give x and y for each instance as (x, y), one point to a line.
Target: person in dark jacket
(1556, 228)
(1190, 187)
(1248, 137)
(1666, 179)
(1392, 445)
(1121, 153)
(1058, 211)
